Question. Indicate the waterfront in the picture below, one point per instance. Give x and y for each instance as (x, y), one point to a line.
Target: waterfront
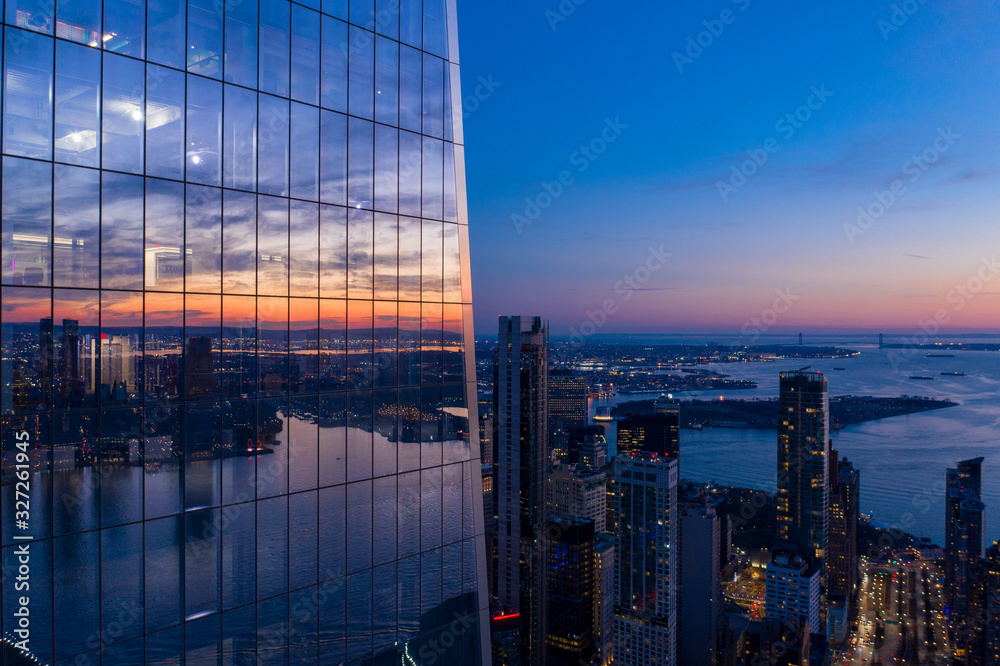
(902, 459)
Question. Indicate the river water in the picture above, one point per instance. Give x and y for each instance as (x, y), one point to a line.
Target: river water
(902, 459)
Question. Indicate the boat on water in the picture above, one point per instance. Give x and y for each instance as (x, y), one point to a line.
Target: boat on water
(840, 368)
(954, 374)
(921, 377)
(940, 356)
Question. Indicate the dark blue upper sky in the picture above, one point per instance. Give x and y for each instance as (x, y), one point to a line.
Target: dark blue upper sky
(679, 120)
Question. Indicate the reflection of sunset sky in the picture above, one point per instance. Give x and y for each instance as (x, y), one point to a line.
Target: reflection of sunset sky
(657, 184)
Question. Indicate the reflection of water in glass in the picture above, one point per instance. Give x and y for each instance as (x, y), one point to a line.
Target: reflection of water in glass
(902, 459)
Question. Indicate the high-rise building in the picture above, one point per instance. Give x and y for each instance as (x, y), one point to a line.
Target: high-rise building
(700, 591)
(647, 566)
(242, 226)
(587, 446)
(984, 611)
(604, 598)
(520, 440)
(658, 432)
(803, 467)
(578, 492)
(843, 526)
(792, 589)
(567, 405)
(570, 587)
(963, 529)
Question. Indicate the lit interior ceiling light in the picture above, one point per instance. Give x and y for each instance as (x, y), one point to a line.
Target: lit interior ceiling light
(136, 114)
(196, 159)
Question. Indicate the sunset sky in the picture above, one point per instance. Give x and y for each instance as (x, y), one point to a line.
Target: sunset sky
(678, 118)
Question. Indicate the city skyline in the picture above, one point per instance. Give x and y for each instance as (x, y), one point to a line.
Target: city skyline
(893, 88)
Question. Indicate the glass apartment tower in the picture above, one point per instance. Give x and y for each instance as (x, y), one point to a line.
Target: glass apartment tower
(235, 309)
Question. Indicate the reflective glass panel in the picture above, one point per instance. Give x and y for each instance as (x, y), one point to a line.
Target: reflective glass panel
(78, 86)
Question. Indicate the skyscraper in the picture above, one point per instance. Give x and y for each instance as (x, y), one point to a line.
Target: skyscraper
(803, 467)
(843, 534)
(587, 446)
(963, 529)
(243, 226)
(570, 589)
(574, 492)
(792, 589)
(658, 432)
(567, 405)
(700, 592)
(647, 560)
(520, 437)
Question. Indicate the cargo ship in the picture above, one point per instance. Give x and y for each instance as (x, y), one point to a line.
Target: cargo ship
(940, 356)
(954, 374)
(921, 377)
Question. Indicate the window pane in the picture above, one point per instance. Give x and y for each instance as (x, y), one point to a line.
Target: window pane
(433, 187)
(436, 27)
(75, 315)
(204, 121)
(304, 437)
(387, 18)
(384, 360)
(409, 258)
(433, 96)
(452, 282)
(202, 348)
(304, 250)
(411, 22)
(121, 358)
(450, 185)
(166, 32)
(78, 84)
(386, 168)
(121, 231)
(304, 153)
(203, 254)
(333, 345)
(204, 38)
(333, 158)
(239, 238)
(274, 29)
(333, 252)
(122, 114)
(332, 444)
(241, 43)
(73, 453)
(164, 122)
(239, 356)
(27, 369)
(76, 581)
(410, 151)
(359, 349)
(239, 139)
(164, 343)
(386, 81)
(120, 458)
(27, 221)
(303, 325)
(305, 55)
(272, 164)
(27, 114)
(333, 81)
(79, 21)
(272, 246)
(164, 437)
(31, 14)
(362, 73)
(125, 26)
(164, 235)
(359, 525)
(386, 255)
(202, 436)
(272, 349)
(360, 267)
(409, 89)
(431, 261)
(164, 543)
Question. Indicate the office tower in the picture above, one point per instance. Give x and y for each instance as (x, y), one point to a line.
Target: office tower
(570, 583)
(983, 641)
(587, 446)
(578, 492)
(963, 530)
(700, 592)
(647, 560)
(567, 405)
(845, 491)
(262, 204)
(520, 436)
(792, 589)
(803, 467)
(604, 598)
(777, 643)
(658, 432)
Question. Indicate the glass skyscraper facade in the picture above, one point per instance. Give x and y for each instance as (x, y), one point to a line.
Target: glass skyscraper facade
(236, 390)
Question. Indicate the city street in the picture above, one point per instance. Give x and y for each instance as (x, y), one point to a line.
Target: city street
(899, 619)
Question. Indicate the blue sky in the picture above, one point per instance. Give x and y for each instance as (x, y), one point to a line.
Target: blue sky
(917, 80)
